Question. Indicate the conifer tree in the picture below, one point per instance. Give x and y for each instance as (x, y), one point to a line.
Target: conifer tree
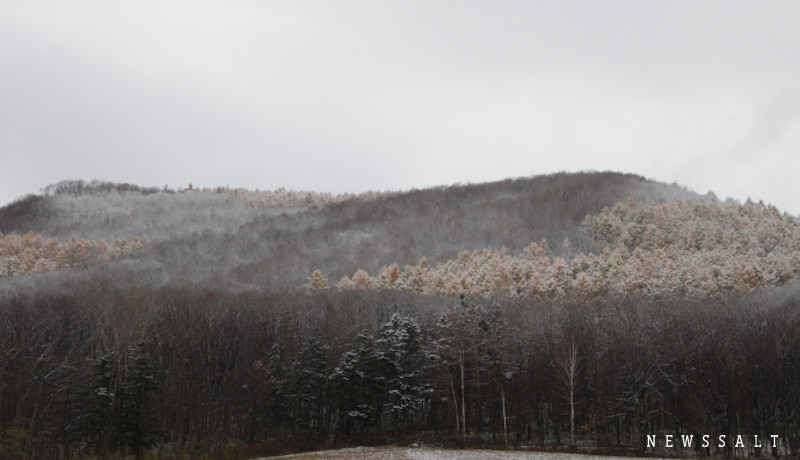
(317, 284)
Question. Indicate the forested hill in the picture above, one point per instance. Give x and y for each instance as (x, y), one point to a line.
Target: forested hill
(234, 239)
(154, 323)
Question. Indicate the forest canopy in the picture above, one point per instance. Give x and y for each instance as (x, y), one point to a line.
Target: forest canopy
(676, 249)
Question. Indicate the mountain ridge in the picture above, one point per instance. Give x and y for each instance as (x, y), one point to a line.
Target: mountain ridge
(216, 236)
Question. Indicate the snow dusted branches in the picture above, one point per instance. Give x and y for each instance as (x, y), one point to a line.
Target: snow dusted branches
(317, 283)
(688, 249)
(282, 198)
(30, 254)
(695, 226)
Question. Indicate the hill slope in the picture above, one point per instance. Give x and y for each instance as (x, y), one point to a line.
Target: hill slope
(220, 237)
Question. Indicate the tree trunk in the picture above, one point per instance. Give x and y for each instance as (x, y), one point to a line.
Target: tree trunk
(505, 417)
(462, 365)
(455, 401)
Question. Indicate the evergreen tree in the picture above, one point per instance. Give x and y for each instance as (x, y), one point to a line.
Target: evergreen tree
(133, 430)
(400, 343)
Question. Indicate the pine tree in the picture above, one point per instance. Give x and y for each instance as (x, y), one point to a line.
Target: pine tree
(96, 413)
(132, 422)
(400, 343)
(359, 384)
(309, 388)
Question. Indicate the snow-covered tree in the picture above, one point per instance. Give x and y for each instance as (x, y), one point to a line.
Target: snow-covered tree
(400, 342)
(317, 283)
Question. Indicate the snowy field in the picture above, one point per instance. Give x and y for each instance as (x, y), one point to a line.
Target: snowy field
(422, 453)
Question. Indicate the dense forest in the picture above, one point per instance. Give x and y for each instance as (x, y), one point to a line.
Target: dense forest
(570, 310)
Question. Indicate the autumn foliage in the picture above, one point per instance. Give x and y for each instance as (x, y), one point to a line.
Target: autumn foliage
(689, 249)
(30, 254)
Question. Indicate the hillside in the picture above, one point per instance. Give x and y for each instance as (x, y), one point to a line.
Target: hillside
(234, 240)
(155, 323)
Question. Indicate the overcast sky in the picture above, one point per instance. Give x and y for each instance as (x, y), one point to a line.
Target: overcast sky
(349, 96)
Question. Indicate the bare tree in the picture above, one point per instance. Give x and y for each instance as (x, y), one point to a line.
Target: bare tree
(567, 366)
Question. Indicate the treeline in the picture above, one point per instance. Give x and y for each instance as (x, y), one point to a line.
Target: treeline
(103, 371)
(77, 187)
(282, 198)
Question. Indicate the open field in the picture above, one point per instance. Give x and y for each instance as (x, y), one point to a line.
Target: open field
(423, 453)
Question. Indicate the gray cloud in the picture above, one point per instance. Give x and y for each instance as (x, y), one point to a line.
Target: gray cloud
(357, 95)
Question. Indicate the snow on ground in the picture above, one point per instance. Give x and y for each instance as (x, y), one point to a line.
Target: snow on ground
(422, 453)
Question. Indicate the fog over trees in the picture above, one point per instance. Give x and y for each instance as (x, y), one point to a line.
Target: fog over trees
(577, 310)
